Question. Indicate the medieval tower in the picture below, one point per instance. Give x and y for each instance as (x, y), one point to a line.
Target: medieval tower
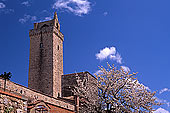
(46, 57)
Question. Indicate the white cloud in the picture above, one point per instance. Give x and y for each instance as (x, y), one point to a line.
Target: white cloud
(104, 53)
(163, 101)
(2, 5)
(161, 110)
(125, 68)
(147, 88)
(44, 11)
(97, 72)
(78, 7)
(105, 13)
(33, 18)
(48, 18)
(26, 3)
(116, 57)
(164, 90)
(142, 85)
(45, 19)
(109, 53)
(6, 11)
(27, 18)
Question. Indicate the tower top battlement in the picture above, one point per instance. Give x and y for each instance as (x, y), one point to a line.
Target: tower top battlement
(54, 22)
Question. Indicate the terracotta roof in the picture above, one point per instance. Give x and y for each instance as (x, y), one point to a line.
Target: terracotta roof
(70, 97)
(54, 107)
(51, 106)
(29, 107)
(32, 105)
(11, 94)
(36, 102)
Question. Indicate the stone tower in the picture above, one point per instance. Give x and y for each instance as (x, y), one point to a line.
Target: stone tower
(46, 57)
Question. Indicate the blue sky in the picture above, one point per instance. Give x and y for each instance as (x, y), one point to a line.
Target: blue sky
(130, 33)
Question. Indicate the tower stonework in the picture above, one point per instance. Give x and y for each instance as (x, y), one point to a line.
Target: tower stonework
(46, 57)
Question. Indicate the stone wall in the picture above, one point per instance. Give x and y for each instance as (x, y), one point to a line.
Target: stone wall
(46, 57)
(33, 95)
(69, 81)
(41, 63)
(83, 85)
(12, 102)
(57, 64)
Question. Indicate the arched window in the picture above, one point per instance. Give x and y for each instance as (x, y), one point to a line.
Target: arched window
(45, 25)
(41, 45)
(41, 109)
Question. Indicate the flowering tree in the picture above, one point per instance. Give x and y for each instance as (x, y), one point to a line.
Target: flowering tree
(85, 90)
(120, 92)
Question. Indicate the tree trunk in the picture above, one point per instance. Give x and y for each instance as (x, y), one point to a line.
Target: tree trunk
(5, 85)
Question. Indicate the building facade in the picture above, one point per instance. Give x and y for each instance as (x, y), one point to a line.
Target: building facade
(48, 91)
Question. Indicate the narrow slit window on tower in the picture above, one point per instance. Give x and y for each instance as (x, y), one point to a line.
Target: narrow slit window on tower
(41, 45)
(57, 25)
(58, 47)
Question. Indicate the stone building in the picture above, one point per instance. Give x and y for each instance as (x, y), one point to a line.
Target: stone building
(83, 85)
(48, 91)
(46, 57)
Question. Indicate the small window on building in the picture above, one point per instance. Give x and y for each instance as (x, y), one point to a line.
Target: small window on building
(41, 45)
(58, 94)
(21, 91)
(57, 25)
(58, 47)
